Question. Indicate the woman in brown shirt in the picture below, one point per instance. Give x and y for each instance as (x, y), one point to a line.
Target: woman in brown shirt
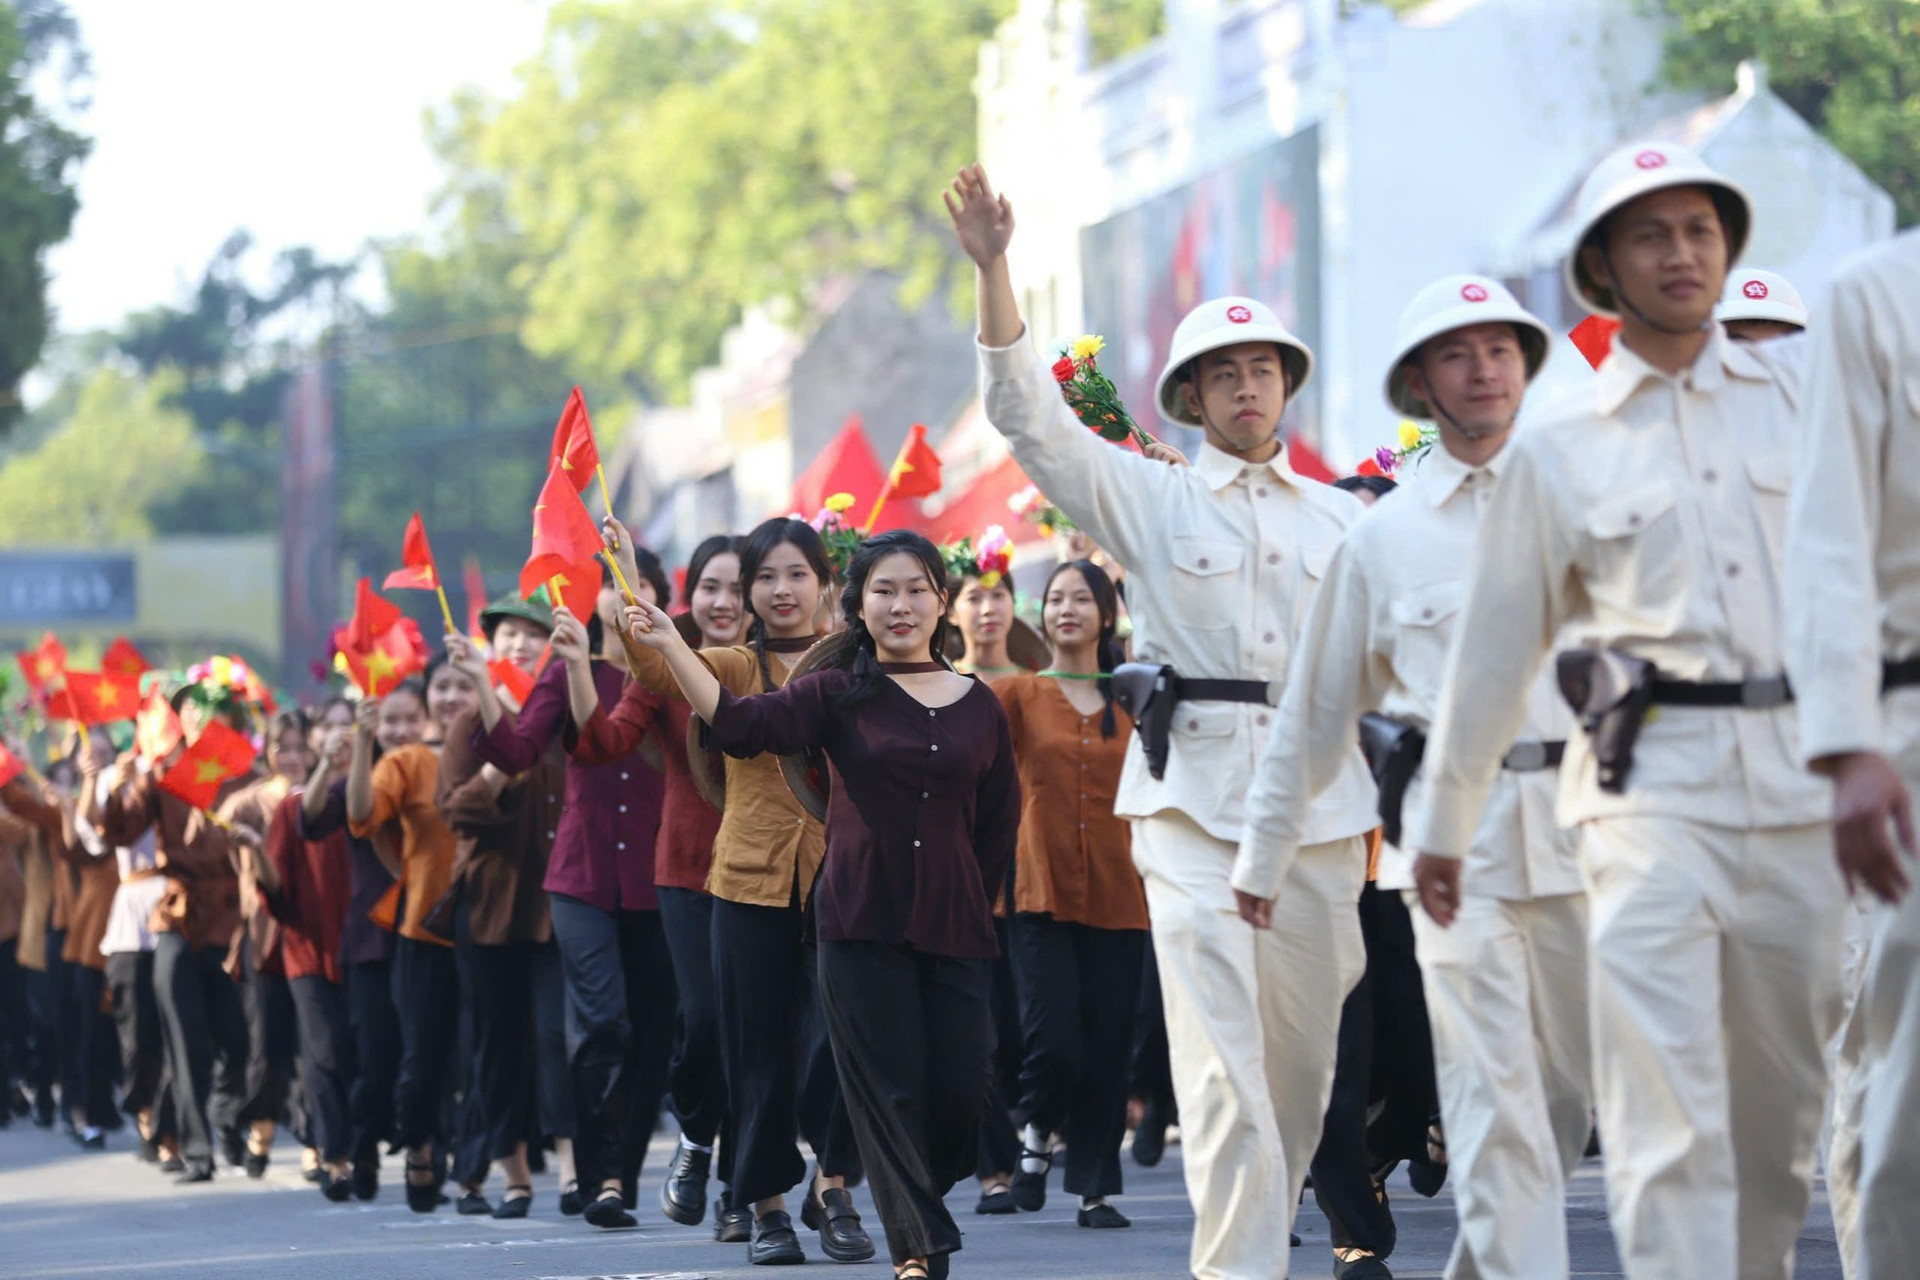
(502, 932)
(1079, 923)
(773, 1045)
(98, 879)
(400, 789)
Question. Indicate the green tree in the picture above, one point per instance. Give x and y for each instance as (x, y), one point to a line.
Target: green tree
(38, 155)
(1851, 67)
(100, 477)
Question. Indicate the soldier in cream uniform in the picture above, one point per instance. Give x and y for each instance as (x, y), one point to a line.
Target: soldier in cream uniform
(1506, 974)
(1853, 636)
(1642, 520)
(1223, 559)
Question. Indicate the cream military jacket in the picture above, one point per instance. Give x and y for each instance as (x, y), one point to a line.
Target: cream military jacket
(1377, 640)
(1644, 513)
(1853, 533)
(1223, 560)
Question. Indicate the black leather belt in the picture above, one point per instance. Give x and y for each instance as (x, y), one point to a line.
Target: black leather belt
(1899, 675)
(1762, 693)
(1533, 757)
(1224, 690)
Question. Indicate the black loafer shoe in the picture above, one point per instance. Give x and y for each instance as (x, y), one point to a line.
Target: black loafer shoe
(731, 1225)
(774, 1243)
(1150, 1136)
(832, 1214)
(996, 1203)
(366, 1181)
(472, 1204)
(1102, 1217)
(609, 1214)
(198, 1171)
(683, 1196)
(1365, 1267)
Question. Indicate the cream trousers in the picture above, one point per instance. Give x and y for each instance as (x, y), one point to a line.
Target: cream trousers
(1506, 988)
(1890, 1114)
(1715, 961)
(1253, 1021)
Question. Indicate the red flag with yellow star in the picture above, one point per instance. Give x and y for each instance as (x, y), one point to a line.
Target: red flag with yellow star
(378, 646)
(574, 452)
(416, 560)
(122, 659)
(373, 615)
(217, 755)
(98, 697)
(511, 679)
(565, 544)
(156, 730)
(43, 664)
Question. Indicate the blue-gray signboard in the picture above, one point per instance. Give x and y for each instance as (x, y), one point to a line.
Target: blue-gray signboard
(51, 587)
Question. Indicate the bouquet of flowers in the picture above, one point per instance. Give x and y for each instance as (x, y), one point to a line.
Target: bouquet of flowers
(1091, 394)
(1415, 438)
(222, 681)
(991, 561)
(841, 537)
(1032, 506)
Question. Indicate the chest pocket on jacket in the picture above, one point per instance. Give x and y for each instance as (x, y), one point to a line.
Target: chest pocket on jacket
(1638, 548)
(1423, 628)
(1200, 588)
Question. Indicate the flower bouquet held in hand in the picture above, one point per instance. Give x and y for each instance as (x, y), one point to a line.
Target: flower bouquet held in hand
(1032, 506)
(840, 537)
(1415, 438)
(1091, 394)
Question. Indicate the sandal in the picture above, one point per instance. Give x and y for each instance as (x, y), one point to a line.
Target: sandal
(514, 1203)
(1029, 1190)
(911, 1271)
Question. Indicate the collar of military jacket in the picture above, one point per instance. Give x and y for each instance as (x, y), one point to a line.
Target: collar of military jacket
(1624, 371)
(1439, 475)
(1218, 468)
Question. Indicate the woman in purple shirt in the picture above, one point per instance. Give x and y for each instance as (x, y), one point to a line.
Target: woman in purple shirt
(924, 815)
(606, 915)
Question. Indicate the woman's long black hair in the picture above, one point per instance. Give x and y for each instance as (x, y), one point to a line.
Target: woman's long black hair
(853, 650)
(718, 545)
(769, 534)
(1107, 601)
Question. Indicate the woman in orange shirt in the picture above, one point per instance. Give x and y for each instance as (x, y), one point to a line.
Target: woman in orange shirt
(1079, 923)
(425, 984)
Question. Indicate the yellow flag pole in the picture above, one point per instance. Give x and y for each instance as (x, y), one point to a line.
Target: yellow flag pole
(618, 576)
(446, 611)
(886, 491)
(601, 473)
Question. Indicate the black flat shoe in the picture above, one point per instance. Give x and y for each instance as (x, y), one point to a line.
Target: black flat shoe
(257, 1166)
(366, 1180)
(774, 1243)
(335, 1189)
(1102, 1217)
(1150, 1136)
(93, 1140)
(172, 1164)
(148, 1152)
(233, 1148)
(422, 1197)
(996, 1203)
(472, 1204)
(1029, 1190)
(832, 1214)
(1365, 1267)
(198, 1171)
(515, 1206)
(570, 1202)
(683, 1196)
(731, 1225)
(609, 1214)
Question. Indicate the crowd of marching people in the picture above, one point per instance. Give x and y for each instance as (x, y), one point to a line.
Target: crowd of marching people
(1541, 791)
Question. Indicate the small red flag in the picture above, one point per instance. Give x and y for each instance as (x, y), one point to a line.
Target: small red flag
(512, 679)
(156, 730)
(565, 543)
(385, 660)
(1594, 338)
(416, 559)
(216, 756)
(373, 615)
(573, 451)
(916, 472)
(43, 664)
(11, 765)
(100, 697)
(121, 658)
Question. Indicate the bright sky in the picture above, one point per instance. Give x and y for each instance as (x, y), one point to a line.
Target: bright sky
(300, 120)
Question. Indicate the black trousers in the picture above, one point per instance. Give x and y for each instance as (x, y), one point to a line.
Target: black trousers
(426, 997)
(15, 1035)
(326, 1062)
(50, 1009)
(96, 1064)
(1152, 1060)
(999, 1143)
(1342, 1167)
(501, 1108)
(779, 1063)
(273, 1047)
(1079, 992)
(143, 1059)
(374, 1022)
(206, 1035)
(695, 1084)
(619, 998)
(1401, 1083)
(913, 1037)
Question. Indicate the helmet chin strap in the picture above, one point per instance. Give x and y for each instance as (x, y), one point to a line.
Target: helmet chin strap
(1215, 431)
(1440, 409)
(1638, 314)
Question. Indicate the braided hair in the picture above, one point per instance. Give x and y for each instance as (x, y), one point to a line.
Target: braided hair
(852, 649)
(769, 534)
(1107, 601)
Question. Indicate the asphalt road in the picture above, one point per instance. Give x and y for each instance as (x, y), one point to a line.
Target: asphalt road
(66, 1212)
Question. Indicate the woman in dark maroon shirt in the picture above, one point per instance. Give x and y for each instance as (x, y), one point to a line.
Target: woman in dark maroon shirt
(923, 819)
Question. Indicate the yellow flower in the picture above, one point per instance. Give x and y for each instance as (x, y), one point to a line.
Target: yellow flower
(1086, 348)
(990, 579)
(1046, 530)
(839, 502)
(1409, 434)
(221, 667)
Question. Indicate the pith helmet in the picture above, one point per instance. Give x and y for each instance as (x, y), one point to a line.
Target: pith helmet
(1753, 294)
(1455, 302)
(1226, 322)
(1640, 169)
